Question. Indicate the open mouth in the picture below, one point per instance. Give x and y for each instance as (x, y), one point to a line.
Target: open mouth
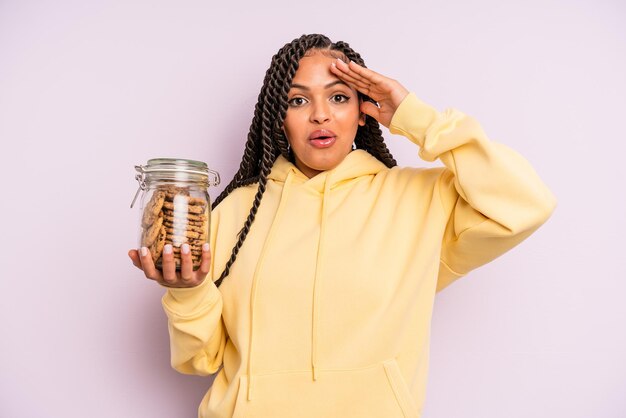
(322, 138)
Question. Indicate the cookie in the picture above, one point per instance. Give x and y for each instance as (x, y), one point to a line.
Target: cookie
(192, 209)
(156, 249)
(172, 191)
(188, 227)
(184, 199)
(171, 214)
(192, 226)
(176, 241)
(178, 238)
(153, 208)
(183, 232)
(150, 234)
(195, 248)
(181, 220)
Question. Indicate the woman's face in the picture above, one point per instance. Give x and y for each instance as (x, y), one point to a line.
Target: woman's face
(322, 117)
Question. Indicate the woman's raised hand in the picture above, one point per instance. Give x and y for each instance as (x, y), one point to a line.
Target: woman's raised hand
(386, 91)
(168, 276)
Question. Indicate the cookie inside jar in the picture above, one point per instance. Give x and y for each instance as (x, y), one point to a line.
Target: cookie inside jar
(175, 215)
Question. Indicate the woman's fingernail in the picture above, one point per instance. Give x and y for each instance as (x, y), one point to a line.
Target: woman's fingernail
(185, 248)
(144, 251)
(205, 247)
(167, 249)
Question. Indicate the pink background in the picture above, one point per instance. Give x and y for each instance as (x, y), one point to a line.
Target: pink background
(88, 89)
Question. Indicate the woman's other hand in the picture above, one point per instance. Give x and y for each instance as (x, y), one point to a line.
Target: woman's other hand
(168, 276)
(387, 92)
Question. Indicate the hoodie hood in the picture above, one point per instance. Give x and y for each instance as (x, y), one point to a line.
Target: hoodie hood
(356, 164)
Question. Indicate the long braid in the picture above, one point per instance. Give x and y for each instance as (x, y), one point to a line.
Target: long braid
(266, 139)
(376, 144)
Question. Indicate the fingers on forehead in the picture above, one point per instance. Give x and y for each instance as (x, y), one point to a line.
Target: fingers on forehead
(363, 72)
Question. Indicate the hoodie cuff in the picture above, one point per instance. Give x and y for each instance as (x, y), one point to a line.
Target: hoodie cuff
(186, 301)
(412, 119)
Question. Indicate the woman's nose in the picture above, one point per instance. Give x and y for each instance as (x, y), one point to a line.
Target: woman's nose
(320, 113)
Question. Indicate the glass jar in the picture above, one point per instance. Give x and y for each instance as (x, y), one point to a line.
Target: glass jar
(175, 206)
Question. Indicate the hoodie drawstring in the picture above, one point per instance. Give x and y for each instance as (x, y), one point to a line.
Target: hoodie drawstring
(318, 269)
(279, 211)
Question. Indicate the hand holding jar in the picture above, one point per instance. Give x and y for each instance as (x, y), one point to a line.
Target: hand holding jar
(169, 276)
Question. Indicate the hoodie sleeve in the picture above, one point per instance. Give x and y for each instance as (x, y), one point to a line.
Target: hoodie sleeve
(197, 332)
(493, 196)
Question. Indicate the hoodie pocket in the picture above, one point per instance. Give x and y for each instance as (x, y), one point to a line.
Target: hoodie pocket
(400, 389)
(371, 392)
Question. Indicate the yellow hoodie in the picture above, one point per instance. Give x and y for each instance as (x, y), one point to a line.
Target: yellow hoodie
(327, 310)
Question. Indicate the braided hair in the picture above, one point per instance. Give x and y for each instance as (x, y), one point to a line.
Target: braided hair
(266, 139)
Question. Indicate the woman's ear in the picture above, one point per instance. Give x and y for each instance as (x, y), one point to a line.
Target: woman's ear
(361, 114)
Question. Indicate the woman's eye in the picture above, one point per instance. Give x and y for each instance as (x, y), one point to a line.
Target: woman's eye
(296, 101)
(339, 98)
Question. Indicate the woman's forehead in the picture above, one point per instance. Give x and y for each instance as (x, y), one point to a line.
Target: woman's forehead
(314, 70)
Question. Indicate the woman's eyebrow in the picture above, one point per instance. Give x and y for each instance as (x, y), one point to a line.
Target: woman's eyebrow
(327, 86)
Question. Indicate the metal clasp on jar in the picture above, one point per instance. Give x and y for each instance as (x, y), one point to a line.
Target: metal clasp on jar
(141, 179)
(216, 180)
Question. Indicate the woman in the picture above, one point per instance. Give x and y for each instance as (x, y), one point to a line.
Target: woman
(328, 258)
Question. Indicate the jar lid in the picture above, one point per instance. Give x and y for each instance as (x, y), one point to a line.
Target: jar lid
(174, 169)
(177, 169)
(175, 165)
